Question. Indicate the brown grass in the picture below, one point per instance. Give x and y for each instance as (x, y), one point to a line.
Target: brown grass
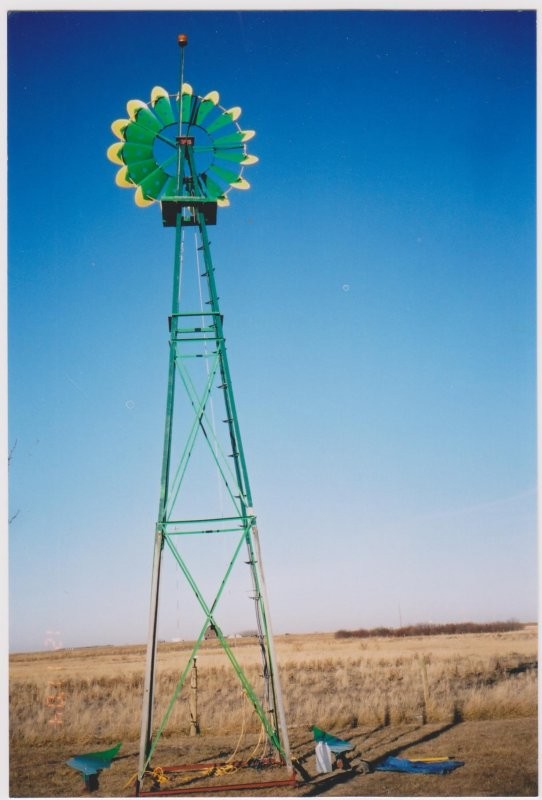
(94, 694)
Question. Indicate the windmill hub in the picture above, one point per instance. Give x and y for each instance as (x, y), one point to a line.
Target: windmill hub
(184, 140)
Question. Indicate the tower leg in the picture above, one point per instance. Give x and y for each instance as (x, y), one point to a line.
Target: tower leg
(275, 681)
(148, 688)
(255, 561)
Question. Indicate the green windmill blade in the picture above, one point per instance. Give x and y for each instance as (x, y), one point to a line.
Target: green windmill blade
(224, 174)
(226, 118)
(170, 189)
(235, 155)
(138, 171)
(238, 156)
(234, 139)
(140, 113)
(214, 191)
(206, 105)
(187, 102)
(135, 151)
(152, 185)
(137, 133)
(162, 107)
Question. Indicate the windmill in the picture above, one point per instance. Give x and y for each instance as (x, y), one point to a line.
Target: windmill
(188, 153)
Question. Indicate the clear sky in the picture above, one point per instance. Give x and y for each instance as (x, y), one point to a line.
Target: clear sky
(378, 287)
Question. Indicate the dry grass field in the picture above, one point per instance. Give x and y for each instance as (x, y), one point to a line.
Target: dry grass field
(473, 696)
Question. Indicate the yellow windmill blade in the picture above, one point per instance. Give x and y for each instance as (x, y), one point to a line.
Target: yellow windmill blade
(113, 152)
(240, 183)
(119, 126)
(158, 92)
(122, 179)
(133, 106)
(234, 112)
(213, 97)
(140, 199)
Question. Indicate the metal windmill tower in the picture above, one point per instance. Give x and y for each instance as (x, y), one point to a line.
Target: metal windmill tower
(187, 152)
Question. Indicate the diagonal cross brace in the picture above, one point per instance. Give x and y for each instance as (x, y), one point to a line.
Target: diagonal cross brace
(209, 613)
(210, 620)
(199, 406)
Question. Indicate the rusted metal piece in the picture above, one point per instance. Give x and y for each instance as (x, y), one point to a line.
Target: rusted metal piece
(231, 787)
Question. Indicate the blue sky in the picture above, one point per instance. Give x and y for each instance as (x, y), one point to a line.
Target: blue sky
(378, 287)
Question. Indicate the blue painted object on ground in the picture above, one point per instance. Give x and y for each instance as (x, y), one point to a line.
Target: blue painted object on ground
(392, 764)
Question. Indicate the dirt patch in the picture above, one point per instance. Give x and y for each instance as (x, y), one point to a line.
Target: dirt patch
(501, 758)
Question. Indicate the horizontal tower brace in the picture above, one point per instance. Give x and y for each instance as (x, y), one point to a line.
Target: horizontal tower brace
(196, 314)
(209, 530)
(197, 338)
(207, 329)
(209, 519)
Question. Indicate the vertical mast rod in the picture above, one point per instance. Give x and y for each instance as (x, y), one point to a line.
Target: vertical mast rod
(182, 40)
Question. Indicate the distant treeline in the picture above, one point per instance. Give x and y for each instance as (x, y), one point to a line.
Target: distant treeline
(428, 629)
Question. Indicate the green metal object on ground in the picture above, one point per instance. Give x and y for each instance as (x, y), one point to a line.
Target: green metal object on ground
(91, 764)
(187, 152)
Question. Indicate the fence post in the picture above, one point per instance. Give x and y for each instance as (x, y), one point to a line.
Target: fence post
(193, 701)
(425, 684)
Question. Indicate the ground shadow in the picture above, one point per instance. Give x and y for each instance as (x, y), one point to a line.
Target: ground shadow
(395, 751)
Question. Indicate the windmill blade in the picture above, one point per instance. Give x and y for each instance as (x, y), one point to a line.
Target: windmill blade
(161, 104)
(237, 155)
(140, 113)
(186, 101)
(170, 189)
(137, 133)
(137, 171)
(135, 151)
(119, 126)
(226, 118)
(234, 139)
(207, 104)
(224, 174)
(141, 200)
(122, 179)
(113, 152)
(240, 183)
(152, 185)
(213, 189)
